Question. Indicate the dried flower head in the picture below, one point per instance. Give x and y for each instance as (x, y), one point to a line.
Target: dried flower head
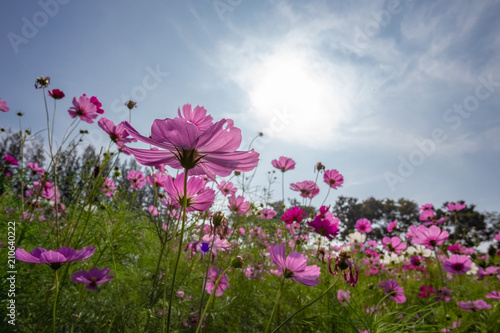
(130, 104)
(42, 82)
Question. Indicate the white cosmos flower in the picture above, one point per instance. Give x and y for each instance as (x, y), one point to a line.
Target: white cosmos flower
(419, 250)
(356, 237)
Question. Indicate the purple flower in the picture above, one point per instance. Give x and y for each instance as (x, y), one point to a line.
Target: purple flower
(457, 264)
(93, 277)
(294, 266)
(474, 305)
(294, 214)
(493, 294)
(54, 258)
(393, 290)
(56, 94)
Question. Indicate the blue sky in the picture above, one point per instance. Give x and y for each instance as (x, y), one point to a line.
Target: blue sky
(402, 97)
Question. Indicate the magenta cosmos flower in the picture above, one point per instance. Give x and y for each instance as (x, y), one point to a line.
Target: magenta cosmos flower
(54, 258)
(10, 160)
(333, 178)
(158, 179)
(429, 237)
(457, 264)
(393, 290)
(238, 205)
(213, 275)
(284, 164)
(93, 277)
(292, 215)
(363, 226)
(3, 106)
(307, 188)
(325, 223)
(35, 168)
(84, 109)
(393, 244)
(56, 94)
(294, 266)
(199, 197)
(210, 152)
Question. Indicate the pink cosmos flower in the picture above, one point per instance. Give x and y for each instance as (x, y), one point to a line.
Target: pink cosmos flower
(307, 188)
(56, 94)
(493, 295)
(427, 215)
(227, 188)
(363, 226)
(292, 215)
(209, 152)
(137, 179)
(35, 168)
(454, 325)
(392, 226)
(430, 237)
(159, 179)
(457, 264)
(393, 244)
(343, 296)
(497, 237)
(492, 270)
(10, 160)
(153, 210)
(468, 306)
(238, 205)
(267, 214)
(199, 197)
(213, 275)
(427, 206)
(117, 133)
(455, 207)
(84, 109)
(198, 116)
(3, 106)
(108, 186)
(294, 266)
(54, 258)
(93, 277)
(284, 164)
(333, 178)
(393, 290)
(97, 104)
(425, 291)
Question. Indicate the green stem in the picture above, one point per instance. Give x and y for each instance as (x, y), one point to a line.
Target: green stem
(307, 305)
(184, 207)
(55, 304)
(268, 327)
(211, 299)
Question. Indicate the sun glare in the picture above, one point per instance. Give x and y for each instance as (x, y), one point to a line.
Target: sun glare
(302, 94)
